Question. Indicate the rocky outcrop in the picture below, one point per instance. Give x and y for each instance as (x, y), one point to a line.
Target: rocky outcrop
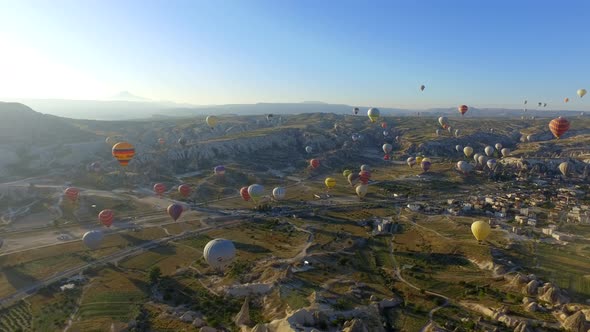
(531, 307)
(517, 280)
(243, 317)
(531, 288)
(260, 328)
(355, 325)
(552, 294)
(576, 323)
(389, 303)
(523, 327)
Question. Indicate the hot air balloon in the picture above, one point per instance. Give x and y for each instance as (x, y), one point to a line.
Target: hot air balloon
(481, 159)
(159, 188)
(355, 111)
(314, 163)
(476, 158)
(361, 190)
(525, 102)
(355, 137)
(419, 159)
(330, 183)
(161, 141)
(365, 167)
(468, 151)
(464, 167)
(269, 117)
(111, 141)
(255, 191)
(279, 193)
(411, 161)
(373, 114)
(498, 146)
(308, 149)
(457, 132)
(422, 87)
(566, 100)
(346, 173)
(92, 239)
(458, 148)
(244, 193)
(463, 109)
(480, 230)
(425, 164)
(581, 92)
(184, 190)
(387, 148)
(437, 132)
(492, 163)
(384, 125)
(397, 138)
(182, 141)
(211, 121)
(174, 211)
(505, 152)
(544, 104)
(539, 104)
(489, 150)
(72, 193)
(364, 176)
(564, 168)
(492, 130)
(219, 170)
(443, 121)
(123, 152)
(106, 217)
(385, 133)
(559, 126)
(352, 178)
(219, 253)
(449, 129)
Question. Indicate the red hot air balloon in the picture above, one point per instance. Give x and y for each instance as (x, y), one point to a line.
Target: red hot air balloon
(184, 190)
(161, 141)
(174, 211)
(364, 177)
(386, 157)
(383, 125)
(72, 193)
(106, 217)
(159, 188)
(463, 109)
(314, 163)
(559, 126)
(244, 193)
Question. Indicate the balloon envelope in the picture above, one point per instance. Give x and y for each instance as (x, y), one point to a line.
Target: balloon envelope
(425, 164)
(255, 191)
(308, 149)
(72, 193)
(211, 120)
(361, 190)
(480, 230)
(314, 163)
(279, 193)
(463, 109)
(564, 168)
(464, 167)
(244, 193)
(581, 92)
(219, 170)
(159, 188)
(411, 161)
(498, 146)
(387, 147)
(346, 173)
(559, 126)
(106, 217)
(92, 239)
(468, 151)
(174, 211)
(365, 167)
(373, 114)
(123, 152)
(489, 150)
(184, 190)
(458, 148)
(330, 182)
(219, 253)
(505, 152)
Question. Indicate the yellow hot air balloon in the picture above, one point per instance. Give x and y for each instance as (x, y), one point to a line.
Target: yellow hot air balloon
(123, 152)
(211, 120)
(419, 159)
(373, 114)
(346, 173)
(468, 151)
(480, 230)
(361, 190)
(330, 183)
(564, 168)
(581, 92)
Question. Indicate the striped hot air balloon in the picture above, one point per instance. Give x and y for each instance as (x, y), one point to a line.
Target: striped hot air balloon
(123, 152)
(364, 176)
(559, 126)
(106, 217)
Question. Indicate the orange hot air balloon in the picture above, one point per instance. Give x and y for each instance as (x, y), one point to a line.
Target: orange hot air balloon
(559, 126)
(566, 100)
(106, 217)
(244, 193)
(159, 188)
(463, 109)
(123, 152)
(184, 190)
(72, 193)
(314, 163)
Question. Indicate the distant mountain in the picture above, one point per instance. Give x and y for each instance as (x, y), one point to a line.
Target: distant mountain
(128, 96)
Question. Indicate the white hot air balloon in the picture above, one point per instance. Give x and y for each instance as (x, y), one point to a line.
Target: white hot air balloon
(93, 239)
(499, 146)
(279, 193)
(308, 149)
(219, 253)
(505, 152)
(489, 150)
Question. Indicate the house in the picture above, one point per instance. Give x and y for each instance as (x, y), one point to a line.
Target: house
(561, 236)
(532, 222)
(547, 231)
(521, 219)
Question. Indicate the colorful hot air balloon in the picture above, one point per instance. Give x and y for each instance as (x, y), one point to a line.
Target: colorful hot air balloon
(387, 148)
(346, 173)
(308, 149)
(219, 170)
(255, 191)
(468, 151)
(425, 164)
(174, 211)
(184, 190)
(489, 150)
(159, 188)
(352, 178)
(373, 114)
(279, 193)
(244, 193)
(464, 167)
(498, 146)
(480, 230)
(463, 109)
(92, 239)
(564, 168)
(411, 161)
(219, 253)
(422, 87)
(444, 122)
(330, 183)
(355, 111)
(72, 193)
(559, 126)
(211, 121)
(314, 163)
(106, 217)
(566, 100)
(505, 152)
(364, 176)
(492, 163)
(123, 152)
(581, 92)
(361, 190)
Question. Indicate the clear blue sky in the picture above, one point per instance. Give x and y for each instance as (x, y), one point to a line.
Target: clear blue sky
(481, 53)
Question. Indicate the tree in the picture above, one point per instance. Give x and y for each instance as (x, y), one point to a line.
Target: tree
(154, 274)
